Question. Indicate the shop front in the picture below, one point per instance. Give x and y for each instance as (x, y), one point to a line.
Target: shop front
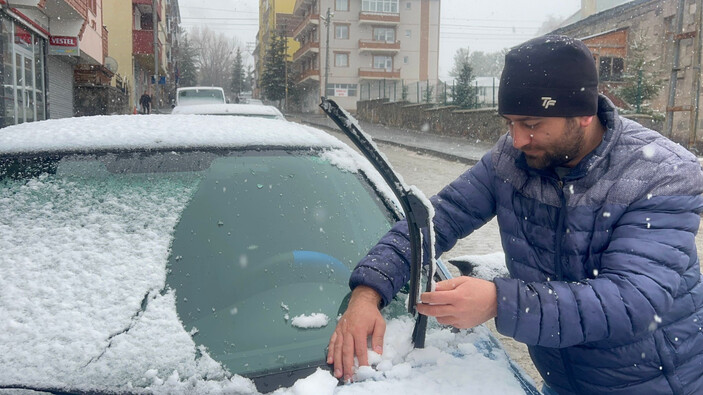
(23, 73)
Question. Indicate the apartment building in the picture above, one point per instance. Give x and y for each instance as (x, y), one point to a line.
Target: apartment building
(364, 49)
(47, 48)
(131, 26)
(275, 16)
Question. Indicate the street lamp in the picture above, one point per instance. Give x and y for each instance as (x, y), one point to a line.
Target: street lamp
(327, 19)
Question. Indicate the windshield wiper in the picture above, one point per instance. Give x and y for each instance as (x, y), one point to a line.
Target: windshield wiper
(412, 202)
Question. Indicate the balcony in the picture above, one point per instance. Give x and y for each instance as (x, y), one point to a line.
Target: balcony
(379, 46)
(145, 7)
(308, 76)
(142, 42)
(301, 5)
(378, 18)
(307, 49)
(310, 22)
(369, 73)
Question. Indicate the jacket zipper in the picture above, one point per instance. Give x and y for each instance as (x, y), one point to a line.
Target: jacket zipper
(558, 235)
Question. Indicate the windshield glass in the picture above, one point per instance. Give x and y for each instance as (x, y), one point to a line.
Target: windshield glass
(130, 263)
(200, 96)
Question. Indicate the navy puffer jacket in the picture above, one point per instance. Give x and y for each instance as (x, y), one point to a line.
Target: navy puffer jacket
(605, 284)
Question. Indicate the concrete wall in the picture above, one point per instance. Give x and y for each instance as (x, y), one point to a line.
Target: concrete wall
(481, 124)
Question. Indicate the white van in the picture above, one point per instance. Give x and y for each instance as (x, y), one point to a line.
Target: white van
(194, 95)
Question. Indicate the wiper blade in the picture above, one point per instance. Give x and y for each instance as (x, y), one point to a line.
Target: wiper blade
(413, 203)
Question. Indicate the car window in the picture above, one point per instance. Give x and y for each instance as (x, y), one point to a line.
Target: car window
(236, 245)
(200, 96)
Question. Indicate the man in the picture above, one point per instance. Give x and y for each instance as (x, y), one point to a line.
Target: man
(597, 217)
(145, 102)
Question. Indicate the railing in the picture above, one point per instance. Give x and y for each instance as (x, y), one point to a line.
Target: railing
(372, 45)
(379, 18)
(313, 19)
(309, 46)
(310, 73)
(374, 73)
(105, 43)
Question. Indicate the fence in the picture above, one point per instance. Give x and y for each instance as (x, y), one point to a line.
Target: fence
(419, 92)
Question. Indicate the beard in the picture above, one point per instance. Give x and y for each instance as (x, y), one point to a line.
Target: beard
(564, 150)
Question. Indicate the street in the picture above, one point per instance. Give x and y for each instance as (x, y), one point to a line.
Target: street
(430, 174)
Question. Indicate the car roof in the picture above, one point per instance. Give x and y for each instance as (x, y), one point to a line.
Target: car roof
(192, 88)
(129, 132)
(228, 109)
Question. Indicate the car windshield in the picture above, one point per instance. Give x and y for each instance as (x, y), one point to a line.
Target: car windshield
(200, 96)
(251, 249)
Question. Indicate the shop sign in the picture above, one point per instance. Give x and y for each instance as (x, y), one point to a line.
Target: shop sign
(341, 92)
(63, 45)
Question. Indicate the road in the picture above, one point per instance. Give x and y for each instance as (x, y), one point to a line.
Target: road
(430, 174)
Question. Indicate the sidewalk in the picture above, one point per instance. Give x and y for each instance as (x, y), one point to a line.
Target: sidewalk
(452, 148)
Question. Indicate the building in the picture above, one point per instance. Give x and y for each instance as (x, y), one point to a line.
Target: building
(672, 55)
(131, 48)
(376, 49)
(275, 16)
(49, 48)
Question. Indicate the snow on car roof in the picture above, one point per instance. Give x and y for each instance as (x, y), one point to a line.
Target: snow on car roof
(158, 132)
(229, 108)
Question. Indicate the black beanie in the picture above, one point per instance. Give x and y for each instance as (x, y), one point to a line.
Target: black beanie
(549, 76)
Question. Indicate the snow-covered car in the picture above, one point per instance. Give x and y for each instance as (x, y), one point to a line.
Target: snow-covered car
(244, 110)
(140, 257)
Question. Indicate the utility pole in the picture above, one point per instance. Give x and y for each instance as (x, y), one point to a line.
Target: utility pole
(327, 49)
(155, 22)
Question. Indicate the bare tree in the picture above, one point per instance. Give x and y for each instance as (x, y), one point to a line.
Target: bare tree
(216, 54)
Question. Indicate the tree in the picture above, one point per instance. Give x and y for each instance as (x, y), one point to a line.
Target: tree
(487, 64)
(238, 84)
(215, 57)
(463, 93)
(273, 79)
(249, 79)
(186, 62)
(640, 83)
(427, 96)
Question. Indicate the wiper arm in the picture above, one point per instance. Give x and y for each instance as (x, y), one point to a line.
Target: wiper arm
(411, 201)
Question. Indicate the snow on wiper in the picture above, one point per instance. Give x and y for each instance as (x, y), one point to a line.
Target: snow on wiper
(417, 208)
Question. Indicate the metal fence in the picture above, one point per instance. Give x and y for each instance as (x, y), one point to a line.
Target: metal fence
(424, 92)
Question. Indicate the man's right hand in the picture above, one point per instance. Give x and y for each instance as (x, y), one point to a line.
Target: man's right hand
(361, 320)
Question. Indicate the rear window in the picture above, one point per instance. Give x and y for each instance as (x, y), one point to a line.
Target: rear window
(200, 96)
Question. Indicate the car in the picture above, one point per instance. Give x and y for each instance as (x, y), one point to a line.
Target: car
(254, 101)
(140, 257)
(194, 95)
(245, 110)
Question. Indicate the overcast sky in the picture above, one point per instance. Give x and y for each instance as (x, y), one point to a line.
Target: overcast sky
(480, 25)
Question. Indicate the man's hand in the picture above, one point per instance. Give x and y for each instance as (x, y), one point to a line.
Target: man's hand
(462, 302)
(361, 320)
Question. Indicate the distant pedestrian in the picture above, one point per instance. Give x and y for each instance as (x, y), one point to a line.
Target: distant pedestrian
(145, 102)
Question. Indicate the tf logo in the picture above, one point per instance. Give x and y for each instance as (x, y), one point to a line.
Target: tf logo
(548, 102)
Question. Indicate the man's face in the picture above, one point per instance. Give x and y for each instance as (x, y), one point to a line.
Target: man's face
(547, 142)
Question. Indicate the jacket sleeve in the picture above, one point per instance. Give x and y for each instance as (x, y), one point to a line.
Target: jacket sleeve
(460, 208)
(651, 259)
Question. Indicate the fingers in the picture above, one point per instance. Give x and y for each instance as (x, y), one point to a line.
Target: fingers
(348, 356)
(330, 348)
(379, 330)
(338, 363)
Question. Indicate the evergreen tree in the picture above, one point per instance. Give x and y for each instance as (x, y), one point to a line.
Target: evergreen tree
(464, 94)
(186, 61)
(249, 79)
(273, 80)
(429, 91)
(238, 75)
(640, 83)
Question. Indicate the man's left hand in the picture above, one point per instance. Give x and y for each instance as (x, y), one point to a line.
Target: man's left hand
(461, 302)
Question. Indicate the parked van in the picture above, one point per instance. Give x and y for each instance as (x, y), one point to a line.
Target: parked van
(193, 95)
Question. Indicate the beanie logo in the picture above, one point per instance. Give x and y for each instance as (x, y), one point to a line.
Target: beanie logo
(548, 102)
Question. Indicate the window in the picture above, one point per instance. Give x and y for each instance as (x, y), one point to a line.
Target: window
(341, 90)
(386, 34)
(383, 62)
(387, 6)
(341, 59)
(341, 5)
(408, 5)
(408, 33)
(406, 59)
(610, 68)
(341, 32)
